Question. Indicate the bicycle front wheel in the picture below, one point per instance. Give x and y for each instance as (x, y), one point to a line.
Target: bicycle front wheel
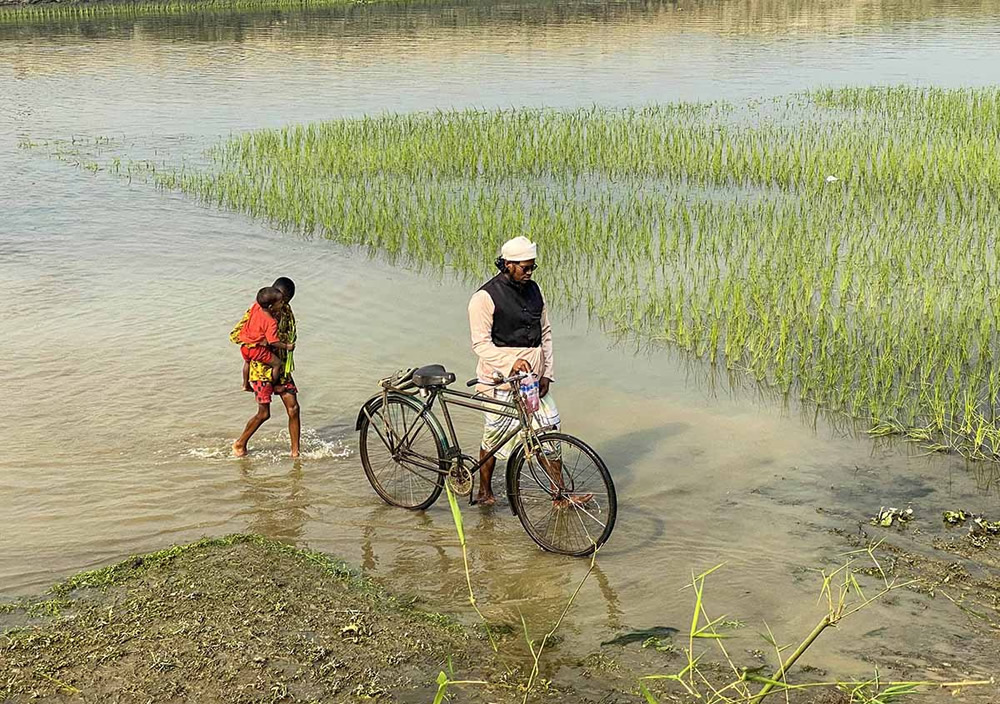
(401, 452)
(564, 495)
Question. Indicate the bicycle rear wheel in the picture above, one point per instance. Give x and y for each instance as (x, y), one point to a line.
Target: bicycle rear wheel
(399, 449)
(564, 496)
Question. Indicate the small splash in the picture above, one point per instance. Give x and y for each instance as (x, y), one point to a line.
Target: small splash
(274, 448)
(313, 447)
(210, 453)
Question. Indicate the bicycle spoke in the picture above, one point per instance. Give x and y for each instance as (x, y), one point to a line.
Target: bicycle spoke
(379, 424)
(584, 525)
(396, 463)
(563, 496)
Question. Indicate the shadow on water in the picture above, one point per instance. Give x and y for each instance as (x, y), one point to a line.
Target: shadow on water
(717, 381)
(987, 477)
(623, 453)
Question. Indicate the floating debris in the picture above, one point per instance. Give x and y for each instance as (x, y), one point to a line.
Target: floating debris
(955, 518)
(979, 524)
(660, 645)
(980, 527)
(887, 516)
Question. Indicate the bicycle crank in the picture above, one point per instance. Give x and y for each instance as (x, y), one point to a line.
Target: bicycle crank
(460, 480)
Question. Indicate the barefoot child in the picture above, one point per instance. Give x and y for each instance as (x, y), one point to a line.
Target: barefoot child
(261, 378)
(259, 333)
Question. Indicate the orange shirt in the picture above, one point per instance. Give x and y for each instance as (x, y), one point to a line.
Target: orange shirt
(260, 328)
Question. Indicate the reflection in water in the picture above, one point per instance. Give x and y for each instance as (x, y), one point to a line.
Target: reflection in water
(490, 532)
(609, 21)
(369, 561)
(510, 578)
(277, 504)
(425, 557)
(987, 476)
(614, 622)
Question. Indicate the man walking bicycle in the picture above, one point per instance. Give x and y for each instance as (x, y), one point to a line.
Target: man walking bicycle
(511, 333)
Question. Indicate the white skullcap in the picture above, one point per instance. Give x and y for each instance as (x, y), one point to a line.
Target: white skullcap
(519, 249)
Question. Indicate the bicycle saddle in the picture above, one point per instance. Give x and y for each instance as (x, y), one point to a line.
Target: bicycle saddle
(432, 375)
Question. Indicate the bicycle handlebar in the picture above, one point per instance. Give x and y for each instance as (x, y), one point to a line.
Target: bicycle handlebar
(497, 381)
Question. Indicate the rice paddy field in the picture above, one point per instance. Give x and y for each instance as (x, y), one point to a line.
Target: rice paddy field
(766, 231)
(837, 245)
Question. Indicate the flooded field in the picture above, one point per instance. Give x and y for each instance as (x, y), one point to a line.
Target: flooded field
(124, 387)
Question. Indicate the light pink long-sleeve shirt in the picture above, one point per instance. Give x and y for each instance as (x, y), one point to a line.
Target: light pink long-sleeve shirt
(501, 359)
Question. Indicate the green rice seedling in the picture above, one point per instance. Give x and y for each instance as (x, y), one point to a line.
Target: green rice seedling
(839, 245)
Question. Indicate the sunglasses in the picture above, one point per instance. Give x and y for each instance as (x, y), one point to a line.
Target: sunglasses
(527, 269)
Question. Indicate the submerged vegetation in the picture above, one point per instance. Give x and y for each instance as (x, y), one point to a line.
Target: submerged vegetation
(839, 245)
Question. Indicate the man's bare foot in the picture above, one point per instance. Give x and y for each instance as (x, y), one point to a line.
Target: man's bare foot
(295, 453)
(239, 450)
(573, 500)
(486, 499)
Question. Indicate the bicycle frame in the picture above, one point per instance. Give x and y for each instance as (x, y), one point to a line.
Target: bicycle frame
(514, 409)
(423, 443)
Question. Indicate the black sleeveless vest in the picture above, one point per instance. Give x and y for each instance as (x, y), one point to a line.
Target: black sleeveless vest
(517, 315)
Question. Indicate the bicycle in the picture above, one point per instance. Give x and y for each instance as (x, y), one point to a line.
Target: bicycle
(557, 485)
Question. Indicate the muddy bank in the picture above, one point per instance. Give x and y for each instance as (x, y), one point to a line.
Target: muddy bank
(959, 569)
(236, 619)
(246, 619)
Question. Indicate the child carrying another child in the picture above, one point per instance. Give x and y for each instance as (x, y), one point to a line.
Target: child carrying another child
(261, 375)
(260, 333)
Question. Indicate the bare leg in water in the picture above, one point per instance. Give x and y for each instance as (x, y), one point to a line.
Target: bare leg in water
(257, 420)
(291, 402)
(554, 468)
(485, 494)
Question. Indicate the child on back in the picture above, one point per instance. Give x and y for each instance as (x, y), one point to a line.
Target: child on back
(260, 332)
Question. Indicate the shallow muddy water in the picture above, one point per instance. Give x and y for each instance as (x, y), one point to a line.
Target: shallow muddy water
(122, 386)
